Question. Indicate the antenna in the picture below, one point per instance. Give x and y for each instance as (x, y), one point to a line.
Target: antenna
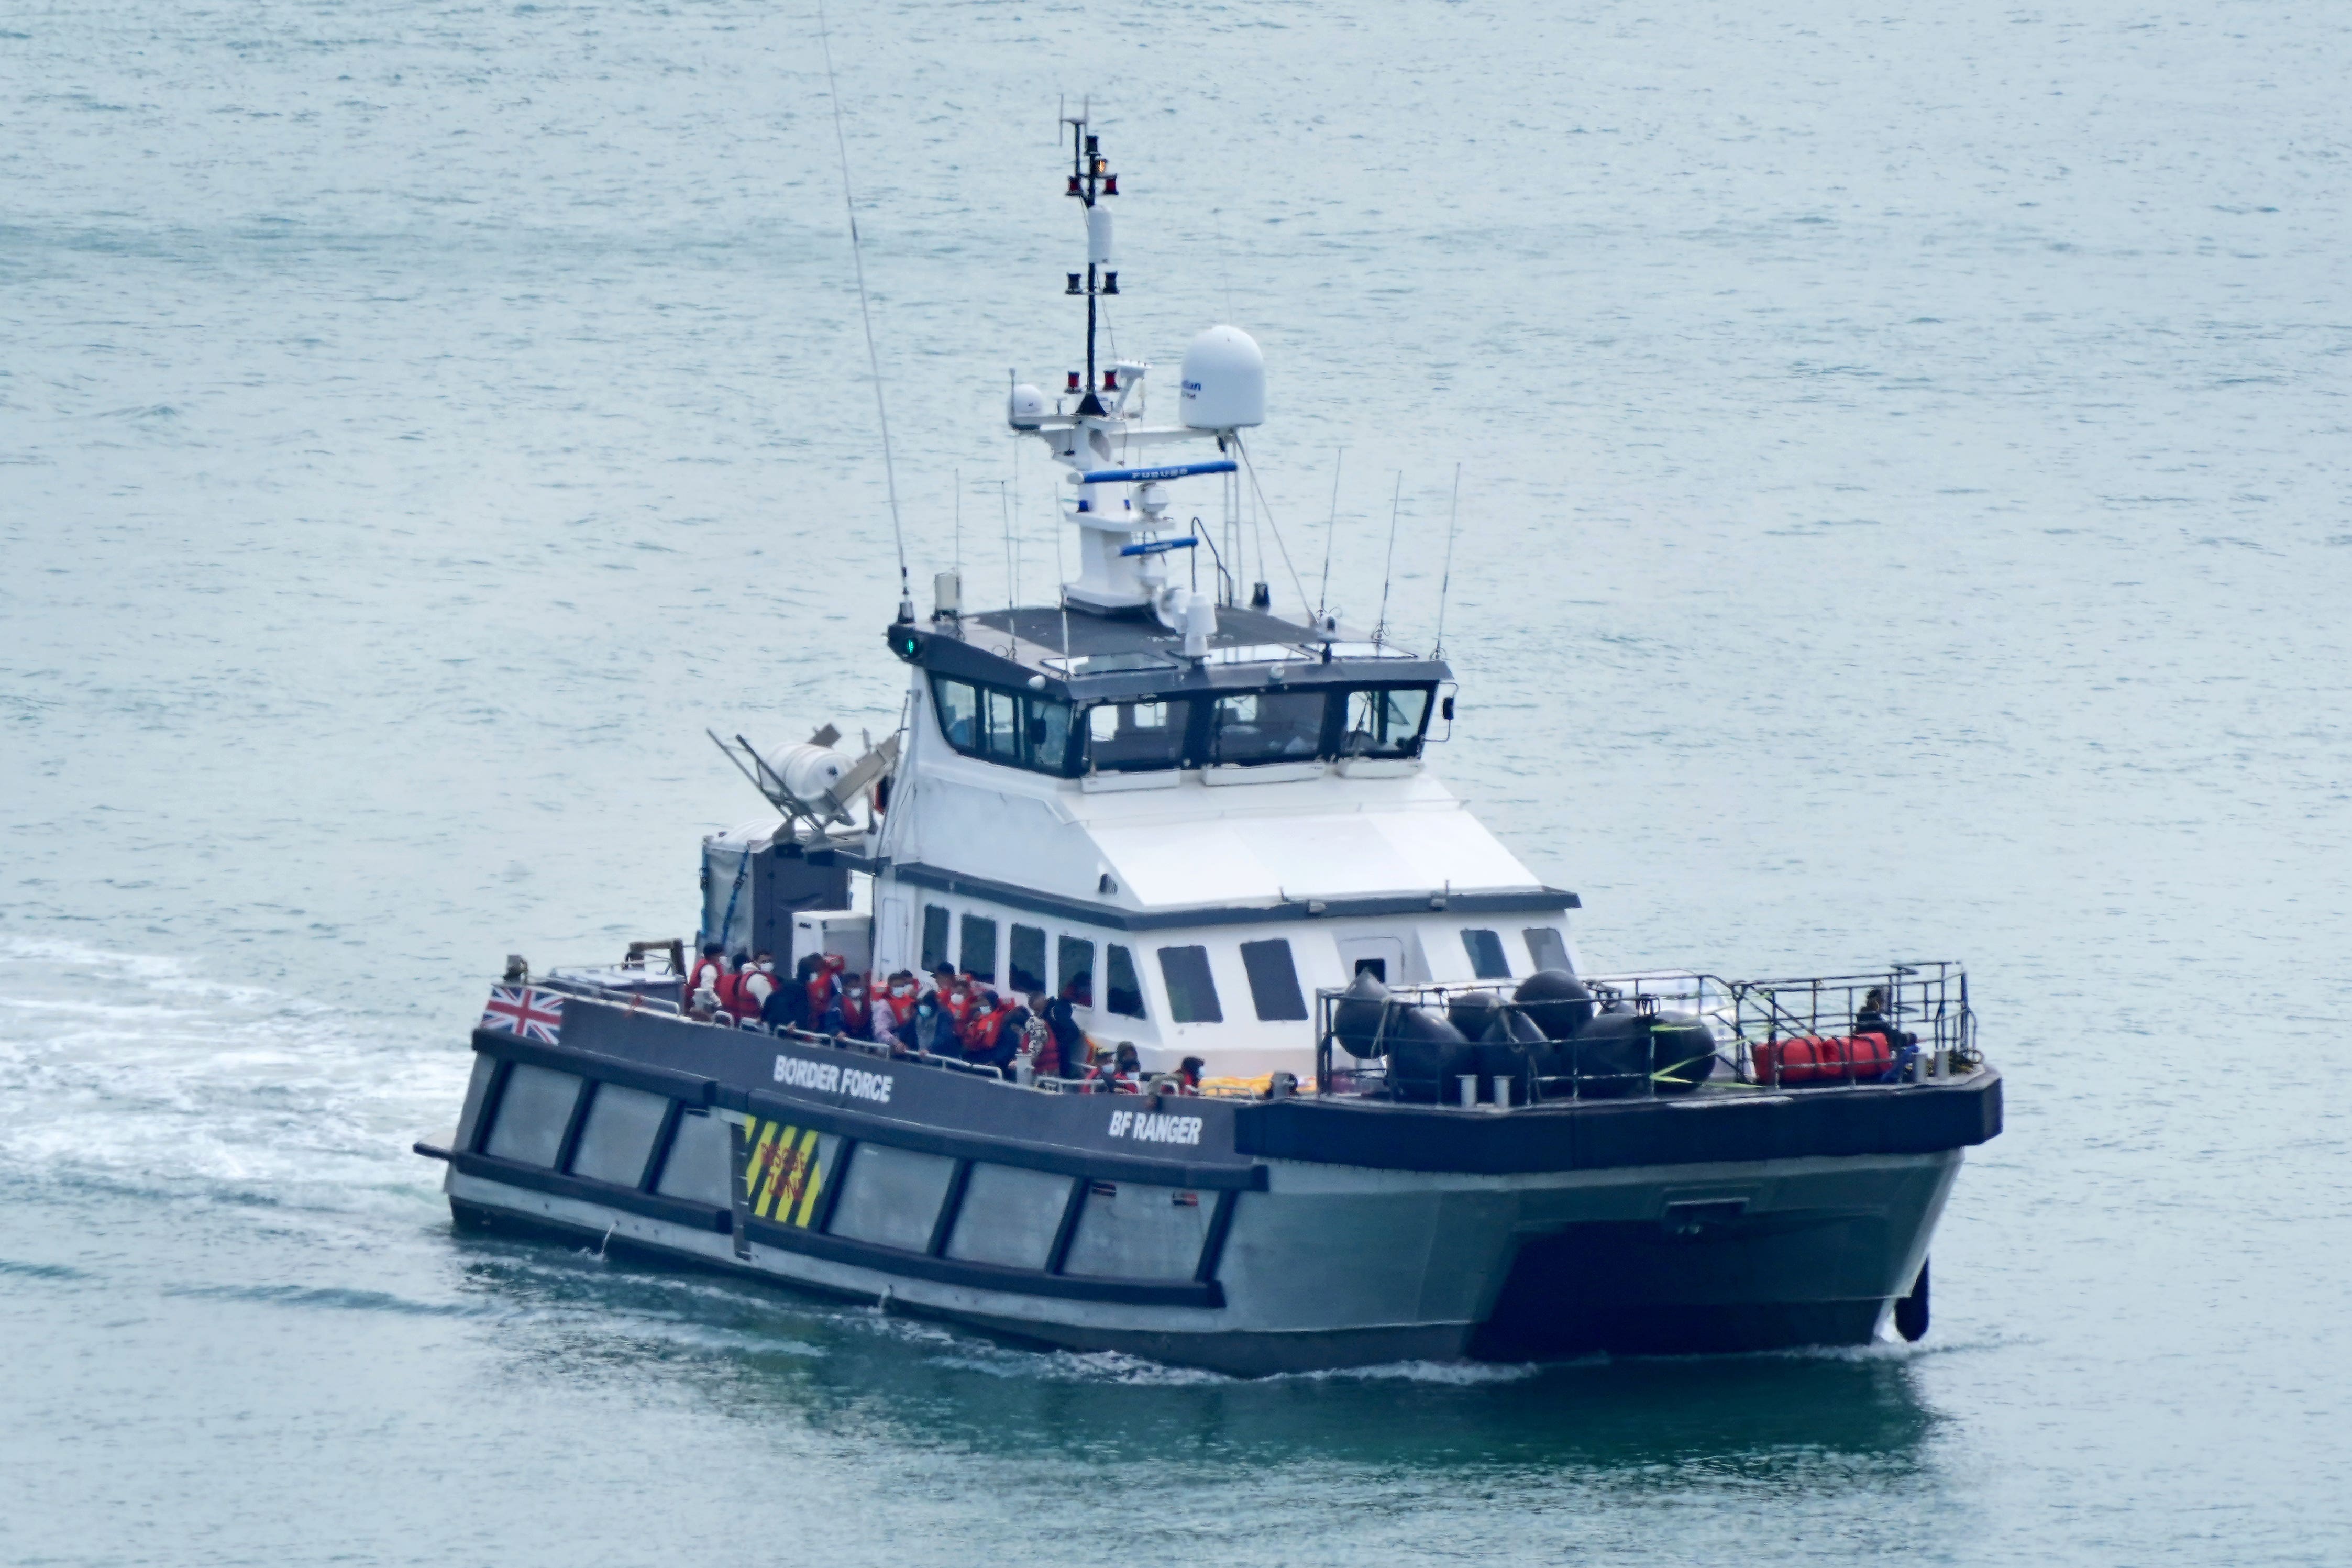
(1381, 629)
(958, 521)
(1323, 596)
(1011, 559)
(1267, 512)
(1451, 517)
(866, 315)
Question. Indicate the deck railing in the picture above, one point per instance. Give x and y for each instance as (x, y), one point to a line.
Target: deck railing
(1765, 1033)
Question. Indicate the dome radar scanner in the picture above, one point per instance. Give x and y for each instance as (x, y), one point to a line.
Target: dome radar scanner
(1225, 380)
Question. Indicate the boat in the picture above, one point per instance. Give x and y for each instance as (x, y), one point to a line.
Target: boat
(1374, 1106)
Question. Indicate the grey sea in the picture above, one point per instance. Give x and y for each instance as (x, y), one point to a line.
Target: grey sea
(1906, 511)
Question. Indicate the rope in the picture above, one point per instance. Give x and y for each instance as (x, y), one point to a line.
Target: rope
(1267, 513)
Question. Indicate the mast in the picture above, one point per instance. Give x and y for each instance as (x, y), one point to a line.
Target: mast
(1091, 179)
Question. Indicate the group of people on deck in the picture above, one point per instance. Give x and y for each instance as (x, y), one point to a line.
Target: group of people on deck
(948, 1013)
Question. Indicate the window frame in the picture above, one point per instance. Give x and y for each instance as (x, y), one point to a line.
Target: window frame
(1557, 938)
(1288, 975)
(932, 957)
(1062, 972)
(1409, 748)
(1479, 970)
(1013, 969)
(1114, 954)
(964, 929)
(1028, 710)
(1191, 991)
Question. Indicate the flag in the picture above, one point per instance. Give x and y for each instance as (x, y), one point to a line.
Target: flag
(520, 1010)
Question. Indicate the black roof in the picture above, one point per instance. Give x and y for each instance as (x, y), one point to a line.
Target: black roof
(1132, 654)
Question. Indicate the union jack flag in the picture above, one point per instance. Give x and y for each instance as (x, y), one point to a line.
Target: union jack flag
(519, 1010)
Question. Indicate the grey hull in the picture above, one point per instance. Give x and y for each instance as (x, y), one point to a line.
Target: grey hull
(1246, 1237)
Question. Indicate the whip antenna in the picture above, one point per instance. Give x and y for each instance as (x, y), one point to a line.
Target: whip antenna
(1323, 594)
(1451, 517)
(866, 315)
(1381, 628)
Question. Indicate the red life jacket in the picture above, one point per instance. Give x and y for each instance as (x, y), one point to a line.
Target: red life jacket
(823, 983)
(752, 989)
(1045, 1051)
(855, 1009)
(730, 993)
(957, 1002)
(709, 968)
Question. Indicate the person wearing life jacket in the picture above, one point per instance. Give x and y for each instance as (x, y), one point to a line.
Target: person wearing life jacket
(1069, 1040)
(1118, 1075)
(851, 1012)
(705, 971)
(1037, 1041)
(757, 987)
(894, 1003)
(992, 1033)
(930, 1030)
(822, 972)
(959, 994)
(1187, 1077)
(729, 986)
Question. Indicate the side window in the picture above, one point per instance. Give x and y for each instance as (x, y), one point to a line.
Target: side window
(979, 959)
(959, 705)
(1075, 971)
(1267, 727)
(1010, 726)
(1045, 735)
(1136, 737)
(1000, 724)
(935, 937)
(1385, 723)
(1272, 980)
(1028, 959)
(1487, 960)
(1191, 991)
(1547, 948)
(1122, 987)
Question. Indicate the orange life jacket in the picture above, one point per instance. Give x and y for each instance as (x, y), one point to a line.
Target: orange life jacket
(984, 1029)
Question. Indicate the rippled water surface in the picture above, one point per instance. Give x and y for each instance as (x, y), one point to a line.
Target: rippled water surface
(1906, 510)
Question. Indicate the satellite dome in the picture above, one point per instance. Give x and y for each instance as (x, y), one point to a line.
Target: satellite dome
(1225, 380)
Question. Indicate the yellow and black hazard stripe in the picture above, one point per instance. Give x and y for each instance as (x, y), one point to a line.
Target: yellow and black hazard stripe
(782, 1176)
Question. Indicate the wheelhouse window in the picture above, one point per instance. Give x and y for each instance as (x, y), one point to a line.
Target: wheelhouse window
(1122, 987)
(1074, 971)
(1487, 960)
(1028, 959)
(980, 948)
(1191, 989)
(1385, 722)
(1273, 981)
(1018, 728)
(1548, 948)
(1267, 727)
(1137, 737)
(935, 937)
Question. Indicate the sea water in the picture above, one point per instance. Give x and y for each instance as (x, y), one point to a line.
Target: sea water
(1903, 512)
